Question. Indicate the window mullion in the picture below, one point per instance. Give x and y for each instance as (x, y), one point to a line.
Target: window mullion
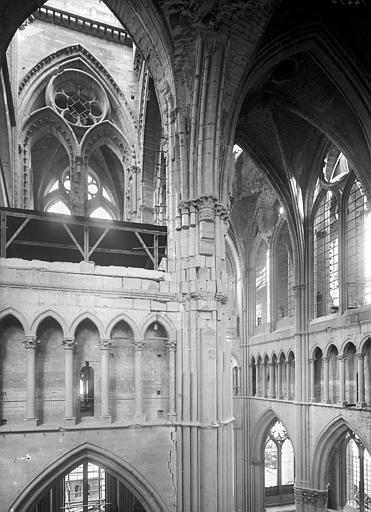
(85, 485)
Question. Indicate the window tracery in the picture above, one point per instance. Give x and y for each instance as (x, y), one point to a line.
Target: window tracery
(342, 239)
(99, 202)
(278, 462)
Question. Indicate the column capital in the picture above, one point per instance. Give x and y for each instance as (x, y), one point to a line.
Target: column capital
(325, 359)
(138, 345)
(360, 356)
(171, 345)
(341, 358)
(104, 344)
(30, 342)
(69, 343)
(206, 208)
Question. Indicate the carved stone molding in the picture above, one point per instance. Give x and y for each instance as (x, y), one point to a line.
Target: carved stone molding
(30, 342)
(69, 343)
(138, 345)
(223, 212)
(171, 345)
(310, 496)
(206, 206)
(105, 344)
(214, 17)
(221, 297)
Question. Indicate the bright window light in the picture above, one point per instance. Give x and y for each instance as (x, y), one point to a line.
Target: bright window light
(55, 186)
(106, 195)
(59, 207)
(237, 151)
(101, 213)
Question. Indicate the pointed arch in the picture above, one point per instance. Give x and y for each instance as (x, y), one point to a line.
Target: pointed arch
(74, 56)
(366, 338)
(330, 345)
(18, 316)
(121, 469)
(161, 319)
(259, 434)
(86, 316)
(147, 29)
(341, 66)
(325, 446)
(50, 313)
(122, 318)
(281, 355)
(105, 133)
(46, 120)
(315, 349)
(348, 341)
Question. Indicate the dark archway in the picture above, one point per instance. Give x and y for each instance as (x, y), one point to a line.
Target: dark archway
(124, 488)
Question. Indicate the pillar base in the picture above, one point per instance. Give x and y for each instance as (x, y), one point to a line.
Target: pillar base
(360, 405)
(32, 421)
(139, 417)
(106, 419)
(343, 403)
(70, 421)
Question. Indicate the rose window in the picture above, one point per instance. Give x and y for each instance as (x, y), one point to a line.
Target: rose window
(78, 98)
(80, 106)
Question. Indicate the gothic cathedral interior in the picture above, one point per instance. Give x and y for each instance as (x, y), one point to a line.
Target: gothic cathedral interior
(185, 256)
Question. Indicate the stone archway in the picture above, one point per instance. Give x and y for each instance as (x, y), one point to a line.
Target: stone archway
(121, 480)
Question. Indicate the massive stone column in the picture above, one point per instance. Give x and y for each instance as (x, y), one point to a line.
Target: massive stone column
(69, 345)
(30, 344)
(199, 220)
(204, 356)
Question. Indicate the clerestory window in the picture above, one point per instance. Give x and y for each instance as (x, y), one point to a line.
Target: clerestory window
(341, 239)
